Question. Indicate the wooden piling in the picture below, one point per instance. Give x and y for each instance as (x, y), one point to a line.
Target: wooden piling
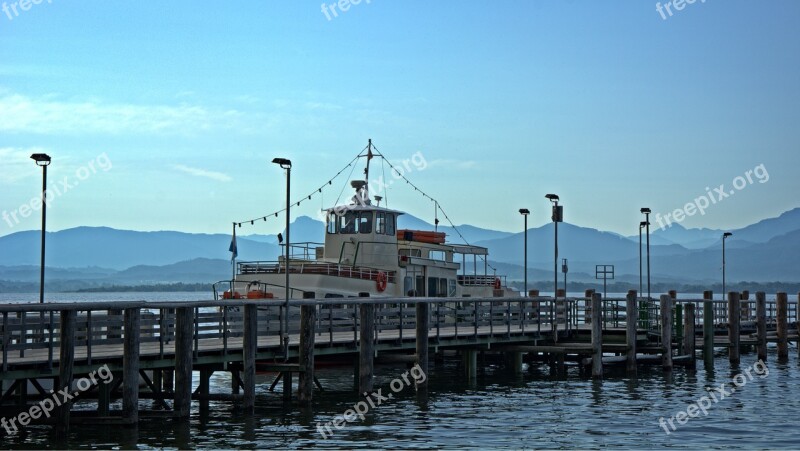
(689, 335)
(184, 322)
(782, 301)
(366, 348)
(666, 332)
(308, 321)
(587, 315)
(66, 362)
(597, 336)
(745, 296)
(130, 366)
(469, 358)
(631, 319)
(761, 324)
(250, 347)
(708, 328)
(734, 325)
(423, 320)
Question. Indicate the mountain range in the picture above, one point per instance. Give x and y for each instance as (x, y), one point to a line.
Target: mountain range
(768, 250)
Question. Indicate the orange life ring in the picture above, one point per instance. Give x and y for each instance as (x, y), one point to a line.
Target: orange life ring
(497, 283)
(227, 295)
(380, 281)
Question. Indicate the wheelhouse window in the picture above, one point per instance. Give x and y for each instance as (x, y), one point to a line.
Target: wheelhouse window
(332, 220)
(380, 223)
(390, 224)
(347, 222)
(365, 222)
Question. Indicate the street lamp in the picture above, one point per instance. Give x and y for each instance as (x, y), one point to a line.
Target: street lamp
(557, 217)
(641, 226)
(646, 212)
(525, 212)
(43, 160)
(724, 236)
(286, 164)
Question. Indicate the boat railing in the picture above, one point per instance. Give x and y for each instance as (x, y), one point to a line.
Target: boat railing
(306, 250)
(480, 280)
(322, 268)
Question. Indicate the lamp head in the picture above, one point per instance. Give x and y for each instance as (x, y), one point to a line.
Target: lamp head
(283, 162)
(552, 197)
(643, 224)
(41, 159)
(524, 211)
(726, 234)
(645, 210)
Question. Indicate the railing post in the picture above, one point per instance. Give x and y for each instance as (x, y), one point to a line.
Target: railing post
(66, 362)
(708, 328)
(130, 366)
(631, 319)
(688, 334)
(366, 348)
(734, 335)
(761, 324)
(250, 345)
(666, 332)
(308, 321)
(782, 301)
(422, 341)
(597, 337)
(184, 329)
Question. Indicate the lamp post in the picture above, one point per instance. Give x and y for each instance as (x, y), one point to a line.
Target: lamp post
(286, 164)
(724, 236)
(557, 217)
(43, 160)
(642, 224)
(646, 212)
(525, 212)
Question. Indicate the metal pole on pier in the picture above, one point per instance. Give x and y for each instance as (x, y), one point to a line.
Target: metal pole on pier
(286, 164)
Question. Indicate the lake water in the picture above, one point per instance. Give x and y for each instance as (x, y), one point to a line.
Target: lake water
(499, 410)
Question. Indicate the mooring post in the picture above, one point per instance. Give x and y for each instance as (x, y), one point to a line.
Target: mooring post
(734, 324)
(130, 366)
(708, 328)
(631, 319)
(308, 322)
(666, 332)
(745, 316)
(469, 358)
(423, 320)
(688, 334)
(184, 330)
(782, 301)
(367, 348)
(797, 319)
(587, 309)
(597, 336)
(761, 324)
(66, 362)
(250, 346)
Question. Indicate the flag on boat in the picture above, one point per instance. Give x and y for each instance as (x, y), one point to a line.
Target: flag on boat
(234, 251)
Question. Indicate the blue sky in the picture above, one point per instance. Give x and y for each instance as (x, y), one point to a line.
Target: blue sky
(603, 102)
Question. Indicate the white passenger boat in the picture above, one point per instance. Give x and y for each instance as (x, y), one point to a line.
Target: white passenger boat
(366, 255)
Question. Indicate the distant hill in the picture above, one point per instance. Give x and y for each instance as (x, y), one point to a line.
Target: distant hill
(87, 256)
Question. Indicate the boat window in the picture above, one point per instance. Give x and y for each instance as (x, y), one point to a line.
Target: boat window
(442, 287)
(347, 222)
(451, 291)
(380, 222)
(390, 225)
(436, 255)
(365, 222)
(405, 252)
(332, 219)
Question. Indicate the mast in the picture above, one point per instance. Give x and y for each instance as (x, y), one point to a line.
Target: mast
(366, 171)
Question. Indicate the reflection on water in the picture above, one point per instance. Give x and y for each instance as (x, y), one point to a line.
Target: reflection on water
(501, 409)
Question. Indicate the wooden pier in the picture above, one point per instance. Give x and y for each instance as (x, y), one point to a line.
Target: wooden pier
(151, 350)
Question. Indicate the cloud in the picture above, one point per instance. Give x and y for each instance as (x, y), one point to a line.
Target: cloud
(17, 164)
(197, 172)
(45, 115)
